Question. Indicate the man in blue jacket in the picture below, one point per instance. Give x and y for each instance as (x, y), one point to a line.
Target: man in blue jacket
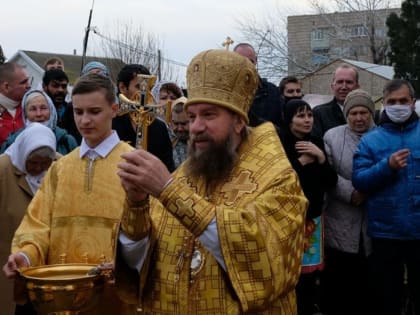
(386, 166)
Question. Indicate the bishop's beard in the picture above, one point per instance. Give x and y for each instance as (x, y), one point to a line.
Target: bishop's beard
(215, 162)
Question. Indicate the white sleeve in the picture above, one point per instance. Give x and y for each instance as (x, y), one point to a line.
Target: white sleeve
(210, 240)
(133, 252)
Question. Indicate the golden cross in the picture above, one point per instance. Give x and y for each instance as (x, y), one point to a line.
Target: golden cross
(238, 186)
(229, 41)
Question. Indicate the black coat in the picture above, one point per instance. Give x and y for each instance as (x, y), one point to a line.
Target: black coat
(267, 105)
(316, 179)
(69, 124)
(327, 116)
(159, 143)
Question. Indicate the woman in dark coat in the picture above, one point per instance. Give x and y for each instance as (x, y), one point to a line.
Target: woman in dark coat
(307, 155)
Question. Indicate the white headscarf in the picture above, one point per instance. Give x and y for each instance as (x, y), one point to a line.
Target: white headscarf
(33, 137)
(52, 121)
(158, 86)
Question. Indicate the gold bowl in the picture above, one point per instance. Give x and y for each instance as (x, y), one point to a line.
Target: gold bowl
(63, 288)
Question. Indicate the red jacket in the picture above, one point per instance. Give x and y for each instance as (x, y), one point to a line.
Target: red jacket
(9, 124)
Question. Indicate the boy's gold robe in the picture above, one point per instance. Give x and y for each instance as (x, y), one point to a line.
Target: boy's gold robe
(260, 213)
(76, 212)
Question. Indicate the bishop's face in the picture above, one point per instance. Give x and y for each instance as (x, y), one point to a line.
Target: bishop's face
(214, 138)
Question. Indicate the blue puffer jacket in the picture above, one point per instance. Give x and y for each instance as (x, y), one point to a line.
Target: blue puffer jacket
(394, 196)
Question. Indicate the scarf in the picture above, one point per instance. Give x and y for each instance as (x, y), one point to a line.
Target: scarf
(9, 104)
(33, 137)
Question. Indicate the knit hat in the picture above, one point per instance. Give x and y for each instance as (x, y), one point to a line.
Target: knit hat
(358, 98)
(222, 78)
(95, 65)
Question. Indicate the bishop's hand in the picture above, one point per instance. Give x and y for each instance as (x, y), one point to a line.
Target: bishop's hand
(142, 173)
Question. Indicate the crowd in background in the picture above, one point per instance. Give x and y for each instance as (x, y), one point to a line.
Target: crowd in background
(360, 179)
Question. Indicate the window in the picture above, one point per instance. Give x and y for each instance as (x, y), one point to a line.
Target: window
(356, 30)
(320, 57)
(320, 33)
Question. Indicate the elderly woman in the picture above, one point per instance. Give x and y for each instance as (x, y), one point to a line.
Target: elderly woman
(307, 156)
(38, 107)
(22, 168)
(347, 243)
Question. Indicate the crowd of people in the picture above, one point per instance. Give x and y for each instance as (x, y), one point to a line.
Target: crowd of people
(241, 199)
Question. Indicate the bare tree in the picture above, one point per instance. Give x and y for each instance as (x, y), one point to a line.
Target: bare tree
(277, 57)
(269, 39)
(371, 21)
(133, 44)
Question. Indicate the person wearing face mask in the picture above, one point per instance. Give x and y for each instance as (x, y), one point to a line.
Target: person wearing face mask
(22, 168)
(386, 167)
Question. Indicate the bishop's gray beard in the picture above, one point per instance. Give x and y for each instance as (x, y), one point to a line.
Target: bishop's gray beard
(214, 163)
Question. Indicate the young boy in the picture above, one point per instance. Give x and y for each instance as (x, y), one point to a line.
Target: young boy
(75, 214)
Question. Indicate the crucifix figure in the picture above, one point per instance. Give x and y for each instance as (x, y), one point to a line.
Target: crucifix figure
(227, 43)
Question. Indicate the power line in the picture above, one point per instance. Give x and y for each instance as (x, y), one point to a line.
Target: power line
(133, 49)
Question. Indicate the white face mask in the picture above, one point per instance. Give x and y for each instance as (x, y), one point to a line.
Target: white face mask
(399, 113)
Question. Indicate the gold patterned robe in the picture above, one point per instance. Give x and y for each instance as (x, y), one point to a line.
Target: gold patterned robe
(76, 212)
(260, 212)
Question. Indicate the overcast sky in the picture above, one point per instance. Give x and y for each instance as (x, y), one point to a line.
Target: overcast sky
(185, 27)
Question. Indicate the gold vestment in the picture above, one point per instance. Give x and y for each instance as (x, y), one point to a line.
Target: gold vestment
(76, 212)
(260, 213)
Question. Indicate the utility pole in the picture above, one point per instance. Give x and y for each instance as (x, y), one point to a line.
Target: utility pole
(2, 57)
(85, 40)
(159, 65)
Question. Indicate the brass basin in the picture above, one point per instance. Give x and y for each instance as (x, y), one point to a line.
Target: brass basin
(62, 289)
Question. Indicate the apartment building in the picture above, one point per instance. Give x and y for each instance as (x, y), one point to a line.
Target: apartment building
(316, 40)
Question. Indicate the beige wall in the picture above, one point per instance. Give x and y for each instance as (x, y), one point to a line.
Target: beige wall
(320, 81)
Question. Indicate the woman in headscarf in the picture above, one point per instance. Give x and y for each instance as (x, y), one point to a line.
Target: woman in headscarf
(37, 106)
(22, 168)
(348, 246)
(307, 156)
(164, 91)
(95, 67)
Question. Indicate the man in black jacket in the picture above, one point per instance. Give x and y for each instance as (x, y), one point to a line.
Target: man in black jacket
(158, 141)
(268, 104)
(330, 115)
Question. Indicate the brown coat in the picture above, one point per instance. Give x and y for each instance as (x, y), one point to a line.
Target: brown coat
(15, 196)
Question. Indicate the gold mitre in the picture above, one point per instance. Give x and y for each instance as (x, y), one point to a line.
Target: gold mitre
(222, 78)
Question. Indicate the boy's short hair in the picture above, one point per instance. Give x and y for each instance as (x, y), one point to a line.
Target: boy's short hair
(93, 82)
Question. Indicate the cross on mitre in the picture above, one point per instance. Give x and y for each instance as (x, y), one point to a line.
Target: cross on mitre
(229, 41)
